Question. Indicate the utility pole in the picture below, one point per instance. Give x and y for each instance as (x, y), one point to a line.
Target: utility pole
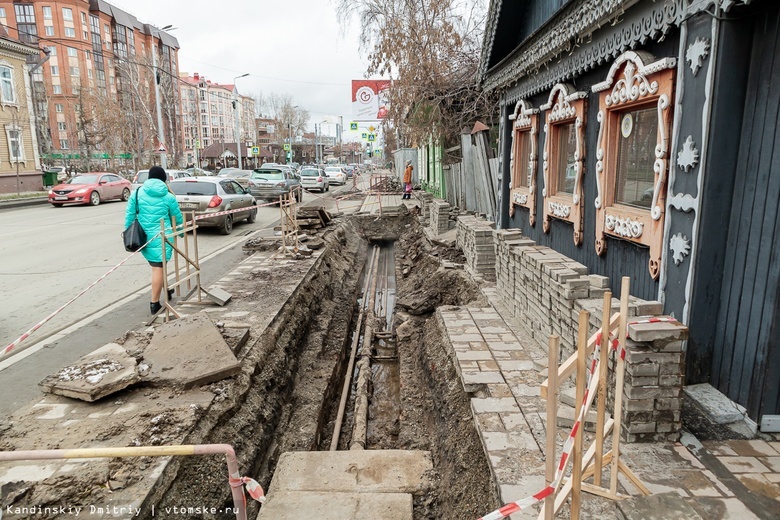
(160, 129)
(14, 119)
(238, 117)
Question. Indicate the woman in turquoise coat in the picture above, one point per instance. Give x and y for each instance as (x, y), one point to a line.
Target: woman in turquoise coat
(155, 202)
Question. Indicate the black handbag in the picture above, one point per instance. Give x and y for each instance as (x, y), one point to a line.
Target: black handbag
(134, 235)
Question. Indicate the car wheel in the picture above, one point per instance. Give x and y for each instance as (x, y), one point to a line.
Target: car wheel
(125, 194)
(94, 198)
(252, 216)
(227, 227)
(327, 188)
(56, 205)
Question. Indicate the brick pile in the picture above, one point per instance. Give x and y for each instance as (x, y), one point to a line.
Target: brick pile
(475, 238)
(439, 216)
(547, 290)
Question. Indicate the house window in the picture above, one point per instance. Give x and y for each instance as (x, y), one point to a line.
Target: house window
(635, 178)
(73, 53)
(25, 23)
(83, 17)
(523, 148)
(62, 126)
(49, 30)
(632, 159)
(74, 71)
(89, 73)
(16, 150)
(55, 71)
(63, 144)
(567, 149)
(2, 12)
(525, 124)
(67, 14)
(88, 55)
(46, 13)
(7, 84)
(85, 35)
(564, 165)
(58, 107)
(56, 89)
(52, 50)
(70, 32)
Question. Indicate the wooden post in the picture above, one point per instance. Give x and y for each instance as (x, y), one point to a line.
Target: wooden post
(550, 455)
(619, 377)
(576, 464)
(196, 262)
(602, 392)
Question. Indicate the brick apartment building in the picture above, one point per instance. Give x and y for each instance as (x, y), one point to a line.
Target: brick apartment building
(94, 95)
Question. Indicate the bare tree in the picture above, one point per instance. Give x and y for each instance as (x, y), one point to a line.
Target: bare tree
(430, 49)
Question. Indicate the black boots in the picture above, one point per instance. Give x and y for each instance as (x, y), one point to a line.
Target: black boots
(155, 307)
(170, 294)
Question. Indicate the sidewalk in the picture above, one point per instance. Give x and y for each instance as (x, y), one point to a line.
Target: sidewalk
(502, 367)
(25, 198)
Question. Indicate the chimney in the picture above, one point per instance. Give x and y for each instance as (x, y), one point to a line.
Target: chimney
(196, 76)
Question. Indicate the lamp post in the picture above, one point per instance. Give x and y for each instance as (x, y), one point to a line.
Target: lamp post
(289, 127)
(160, 130)
(238, 118)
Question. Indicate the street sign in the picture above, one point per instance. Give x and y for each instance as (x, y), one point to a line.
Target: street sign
(371, 129)
(364, 135)
(371, 138)
(162, 148)
(353, 126)
(287, 147)
(255, 150)
(378, 153)
(197, 143)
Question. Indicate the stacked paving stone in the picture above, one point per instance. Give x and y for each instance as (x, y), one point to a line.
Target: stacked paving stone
(440, 216)
(475, 238)
(547, 290)
(453, 217)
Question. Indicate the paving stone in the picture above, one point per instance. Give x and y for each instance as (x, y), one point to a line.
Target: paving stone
(470, 355)
(773, 463)
(648, 332)
(664, 506)
(102, 372)
(516, 365)
(743, 465)
(752, 448)
(289, 505)
(491, 404)
(715, 404)
(189, 352)
(481, 378)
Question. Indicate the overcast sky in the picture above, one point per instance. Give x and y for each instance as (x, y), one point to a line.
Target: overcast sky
(296, 47)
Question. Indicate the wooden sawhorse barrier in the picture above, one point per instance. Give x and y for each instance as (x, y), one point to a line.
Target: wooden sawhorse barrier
(589, 463)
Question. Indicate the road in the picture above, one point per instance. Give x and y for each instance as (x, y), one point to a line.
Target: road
(50, 254)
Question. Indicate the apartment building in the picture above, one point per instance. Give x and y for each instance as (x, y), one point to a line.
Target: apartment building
(209, 114)
(94, 96)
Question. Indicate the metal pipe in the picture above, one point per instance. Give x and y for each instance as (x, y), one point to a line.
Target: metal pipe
(334, 441)
(239, 500)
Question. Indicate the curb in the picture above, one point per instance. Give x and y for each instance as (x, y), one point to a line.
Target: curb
(20, 203)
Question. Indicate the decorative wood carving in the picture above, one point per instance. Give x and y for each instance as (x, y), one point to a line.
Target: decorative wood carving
(635, 81)
(564, 106)
(526, 119)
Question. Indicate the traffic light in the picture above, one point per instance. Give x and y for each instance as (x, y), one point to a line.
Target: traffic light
(234, 104)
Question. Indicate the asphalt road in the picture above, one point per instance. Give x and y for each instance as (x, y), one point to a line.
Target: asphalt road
(48, 255)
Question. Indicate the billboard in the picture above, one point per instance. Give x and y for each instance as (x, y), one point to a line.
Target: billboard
(369, 99)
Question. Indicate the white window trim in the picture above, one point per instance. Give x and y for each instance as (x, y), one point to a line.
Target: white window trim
(15, 101)
(8, 129)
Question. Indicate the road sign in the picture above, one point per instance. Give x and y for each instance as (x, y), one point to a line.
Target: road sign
(378, 153)
(371, 129)
(371, 138)
(364, 135)
(287, 147)
(255, 150)
(162, 148)
(197, 143)
(353, 126)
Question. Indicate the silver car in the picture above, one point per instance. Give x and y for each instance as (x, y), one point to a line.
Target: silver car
(336, 175)
(314, 179)
(271, 183)
(143, 175)
(207, 195)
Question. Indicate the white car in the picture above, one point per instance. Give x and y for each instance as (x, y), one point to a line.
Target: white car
(336, 175)
(314, 179)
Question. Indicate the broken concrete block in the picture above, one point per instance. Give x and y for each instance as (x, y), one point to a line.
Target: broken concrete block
(103, 372)
(287, 505)
(189, 352)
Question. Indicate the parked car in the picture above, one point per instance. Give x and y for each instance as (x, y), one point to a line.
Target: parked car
(61, 171)
(143, 175)
(314, 179)
(205, 195)
(90, 188)
(271, 183)
(199, 172)
(336, 175)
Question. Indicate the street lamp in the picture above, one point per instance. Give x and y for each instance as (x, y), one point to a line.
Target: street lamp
(160, 130)
(289, 127)
(238, 118)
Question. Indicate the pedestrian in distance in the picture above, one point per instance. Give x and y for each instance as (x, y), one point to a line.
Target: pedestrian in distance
(408, 180)
(154, 202)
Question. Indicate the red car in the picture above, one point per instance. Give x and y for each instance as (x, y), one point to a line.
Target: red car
(90, 188)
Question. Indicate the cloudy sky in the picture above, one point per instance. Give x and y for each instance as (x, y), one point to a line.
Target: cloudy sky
(295, 47)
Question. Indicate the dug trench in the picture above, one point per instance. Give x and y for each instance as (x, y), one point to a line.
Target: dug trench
(286, 398)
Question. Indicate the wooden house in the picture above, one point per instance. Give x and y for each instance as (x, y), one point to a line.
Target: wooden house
(640, 138)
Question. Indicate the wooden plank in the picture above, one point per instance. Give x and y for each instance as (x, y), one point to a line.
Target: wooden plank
(552, 421)
(602, 392)
(582, 360)
(620, 372)
(567, 367)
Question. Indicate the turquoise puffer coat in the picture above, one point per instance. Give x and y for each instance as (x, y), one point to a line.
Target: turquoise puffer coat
(155, 202)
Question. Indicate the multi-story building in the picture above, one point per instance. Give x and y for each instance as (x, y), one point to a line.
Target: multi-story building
(19, 149)
(95, 96)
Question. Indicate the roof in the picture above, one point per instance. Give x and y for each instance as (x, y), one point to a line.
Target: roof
(14, 45)
(217, 149)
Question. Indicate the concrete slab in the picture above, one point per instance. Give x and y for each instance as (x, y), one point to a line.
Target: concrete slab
(716, 405)
(293, 505)
(664, 506)
(189, 352)
(354, 471)
(102, 372)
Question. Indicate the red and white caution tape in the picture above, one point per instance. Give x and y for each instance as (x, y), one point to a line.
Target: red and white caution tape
(38, 325)
(254, 489)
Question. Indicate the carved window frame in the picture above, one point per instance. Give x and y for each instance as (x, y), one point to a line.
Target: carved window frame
(563, 107)
(635, 80)
(525, 120)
